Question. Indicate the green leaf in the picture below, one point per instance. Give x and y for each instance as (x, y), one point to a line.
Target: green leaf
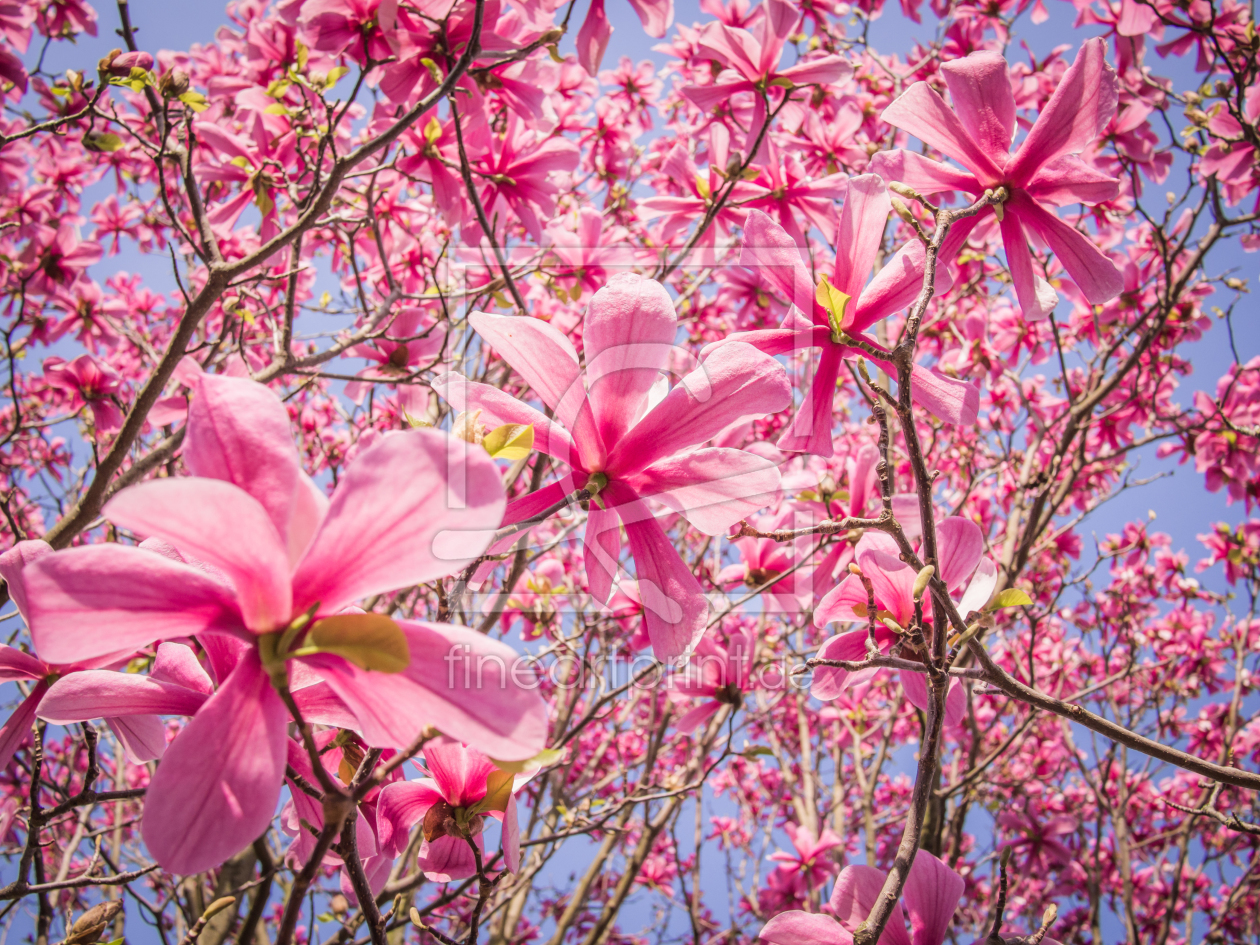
(1011, 597)
(102, 141)
(369, 641)
(546, 757)
(834, 301)
(498, 791)
(194, 100)
(511, 441)
(755, 751)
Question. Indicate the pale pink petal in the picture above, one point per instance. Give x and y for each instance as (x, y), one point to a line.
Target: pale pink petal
(399, 807)
(465, 684)
(98, 599)
(601, 551)
(948, 398)
(238, 431)
(447, 858)
(775, 257)
(923, 113)
(713, 488)
(143, 737)
(318, 703)
(222, 525)
(540, 353)
(12, 564)
(825, 70)
(657, 16)
(99, 693)
(692, 720)
(413, 507)
(1095, 273)
(627, 337)
(14, 664)
(838, 603)
(1037, 297)
(310, 505)
(980, 589)
(830, 681)
(775, 341)
(810, 428)
(931, 893)
(512, 836)
(736, 382)
(857, 888)
(860, 235)
(959, 545)
(804, 928)
(1069, 179)
(197, 814)
(980, 88)
(18, 726)
(498, 408)
(1083, 102)
(923, 174)
(955, 704)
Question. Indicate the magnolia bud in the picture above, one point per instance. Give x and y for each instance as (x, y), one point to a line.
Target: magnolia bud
(338, 904)
(921, 582)
(174, 83)
(120, 64)
(468, 428)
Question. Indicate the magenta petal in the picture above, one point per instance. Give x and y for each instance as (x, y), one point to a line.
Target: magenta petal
(224, 526)
(860, 234)
(447, 859)
(980, 88)
(804, 928)
(931, 894)
(1037, 297)
(601, 551)
(498, 408)
(511, 836)
(99, 693)
(923, 174)
(541, 354)
(18, 726)
(692, 720)
(923, 113)
(466, 685)
(197, 814)
(399, 807)
(628, 336)
(592, 37)
(14, 561)
(14, 664)
(657, 16)
(1069, 179)
(959, 545)
(320, 704)
(810, 428)
(948, 398)
(713, 488)
(830, 681)
(99, 599)
(177, 663)
(238, 431)
(1095, 274)
(896, 286)
(460, 774)
(857, 888)
(413, 507)
(774, 256)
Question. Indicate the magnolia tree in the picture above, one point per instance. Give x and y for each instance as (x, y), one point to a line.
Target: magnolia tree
(581, 506)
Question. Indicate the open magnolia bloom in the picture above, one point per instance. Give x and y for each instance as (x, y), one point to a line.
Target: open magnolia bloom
(263, 570)
(1044, 169)
(839, 309)
(628, 438)
(930, 895)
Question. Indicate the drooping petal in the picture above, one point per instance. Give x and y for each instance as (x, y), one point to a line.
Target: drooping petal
(1095, 274)
(627, 336)
(238, 431)
(980, 88)
(399, 807)
(926, 176)
(143, 737)
(923, 113)
(857, 887)
(657, 16)
(412, 507)
(18, 726)
(222, 525)
(14, 664)
(1068, 179)
(810, 428)
(177, 663)
(512, 836)
(540, 353)
(100, 693)
(1083, 102)
(951, 399)
(896, 286)
(201, 810)
(592, 37)
(601, 550)
(674, 605)
(447, 858)
(693, 718)
(931, 894)
(735, 383)
(959, 545)
(830, 681)
(860, 235)
(713, 488)
(98, 599)
(1037, 297)
(804, 928)
(463, 683)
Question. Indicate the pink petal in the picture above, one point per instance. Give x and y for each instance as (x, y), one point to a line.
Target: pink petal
(143, 737)
(1069, 179)
(178, 664)
(980, 589)
(931, 893)
(1037, 297)
(980, 88)
(14, 664)
(18, 726)
(923, 113)
(713, 488)
(735, 383)
(498, 408)
(466, 685)
(199, 811)
(692, 720)
(310, 506)
(674, 605)
(1095, 274)
(98, 599)
(657, 16)
(592, 37)
(447, 859)
(810, 428)
(399, 807)
(523, 507)
(857, 888)
(830, 681)
(220, 524)
(541, 354)
(775, 257)
(628, 336)
(459, 773)
(825, 70)
(321, 705)
(511, 836)
(838, 603)
(1083, 102)
(776, 341)
(804, 928)
(99, 693)
(12, 564)
(959, 545)
(413, 507)
(948, 398)
(860, 234)
(923, 174)
(601, 551)
(238, 431)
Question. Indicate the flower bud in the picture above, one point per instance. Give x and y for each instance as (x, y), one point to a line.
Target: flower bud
(174, 83)
(921, 582)
(467, 427)
(119, 64)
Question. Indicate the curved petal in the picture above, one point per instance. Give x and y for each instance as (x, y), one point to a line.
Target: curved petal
(692, 720)
(804, 928)
(413, 507)
(197, 814)
(838, 603)
(14, 664)
(922, 173)
(923, 113)
(498, 408)
(592, 37)
(771, 252)
(657, 16)
(143, 737)
(980, 87)
(220, 524)
(238, 431)
(627, 336)
(100, 693)
(713, 488)
(14, 561)
(310, 505)
(931, 894)
(98, 599)
(177, 663)
(860, 234)
(459, 772)
(540, 354)
(447, 858)
(896, 286)
(601, 551)
(830, 681)
(18, 725)
(857, 888)
(775, 341)
(959, 546)
(980, 589)
(1037, 297)
(1069, 179)
(399, 807)
(810, 428)
(950, 399)
(466, 685)
(1095, 273)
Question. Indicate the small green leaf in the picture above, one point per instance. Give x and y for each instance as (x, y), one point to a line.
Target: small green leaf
(102, 141)
(546, 757)
(1011, 597)
(511, 441)
(370, 641)
(194, 100)
(755, 751)
(498, 790)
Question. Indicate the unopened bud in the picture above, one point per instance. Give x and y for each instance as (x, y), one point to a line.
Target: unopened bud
(1192, 98)
(468, 428)
(218, 906)
(921, 582)
(174, 83)
(1048, 917)
(119, 64)
(734, 164)
(1197, 116)
(855, 570)
(906, 191)
(902, 211)
(551, 36)
(338, 904)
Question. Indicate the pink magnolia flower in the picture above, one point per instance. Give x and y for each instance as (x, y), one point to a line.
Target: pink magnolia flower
(632, 441)
(57, 257)
(762, 559)
(931, 895)
(280, 565)
(717, 674)
(1044, 170)
(808, 866)
(464, 788)
(960, 545)
(90, 382)
(769, 250)
(592, 38)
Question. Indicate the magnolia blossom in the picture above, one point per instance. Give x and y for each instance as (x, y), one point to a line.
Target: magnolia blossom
(89, 381)
(1043, 170)
(632, 440)
(264, 560)
(717, 674)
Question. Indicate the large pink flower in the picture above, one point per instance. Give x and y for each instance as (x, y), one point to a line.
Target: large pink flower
(629, 447)
(274, 560)
(1044, 170)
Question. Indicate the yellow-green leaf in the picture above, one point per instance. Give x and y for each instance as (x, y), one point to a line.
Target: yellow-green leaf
(546, 757)
(370, 641)
(194, 100)
(302, 54)
(433, 130)
(498, 790)
(433, 69)
(275, 108)
(1011, 597)
(102, 141)
(512, 441)
(834, 301)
